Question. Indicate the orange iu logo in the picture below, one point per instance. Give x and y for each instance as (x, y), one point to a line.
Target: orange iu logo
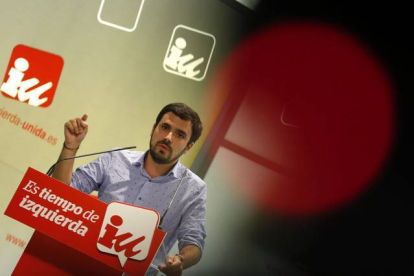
(32, 76)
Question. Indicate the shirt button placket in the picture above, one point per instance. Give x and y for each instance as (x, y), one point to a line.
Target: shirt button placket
(139, 199)
(143, 194)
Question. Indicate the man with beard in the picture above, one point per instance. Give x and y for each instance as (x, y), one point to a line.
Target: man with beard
(149, 179)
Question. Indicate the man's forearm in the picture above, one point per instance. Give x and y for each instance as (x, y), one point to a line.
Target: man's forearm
(75, 131)
(191, 255)
(63, 170)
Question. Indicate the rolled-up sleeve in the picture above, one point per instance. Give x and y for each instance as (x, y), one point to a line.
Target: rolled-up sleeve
(192, 229)
(88, 178)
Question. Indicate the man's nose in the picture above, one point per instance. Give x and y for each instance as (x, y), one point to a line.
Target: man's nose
(168, 137)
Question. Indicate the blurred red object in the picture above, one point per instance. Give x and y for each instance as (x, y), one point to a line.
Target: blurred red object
(316, 109)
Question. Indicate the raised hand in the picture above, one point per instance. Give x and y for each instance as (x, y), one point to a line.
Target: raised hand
(75, 131)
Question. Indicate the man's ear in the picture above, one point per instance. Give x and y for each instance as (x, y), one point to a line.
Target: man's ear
(188, 147)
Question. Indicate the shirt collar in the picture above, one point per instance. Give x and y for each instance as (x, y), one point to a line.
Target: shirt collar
(176, 171)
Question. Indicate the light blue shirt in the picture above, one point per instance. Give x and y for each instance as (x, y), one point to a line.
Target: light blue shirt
(121, 176)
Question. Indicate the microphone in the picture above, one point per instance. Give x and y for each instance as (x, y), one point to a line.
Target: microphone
(52, 169)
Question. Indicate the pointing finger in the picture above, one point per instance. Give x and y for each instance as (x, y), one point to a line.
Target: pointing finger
(80, 125)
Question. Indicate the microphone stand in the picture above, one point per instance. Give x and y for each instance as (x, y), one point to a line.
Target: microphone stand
(52, 168)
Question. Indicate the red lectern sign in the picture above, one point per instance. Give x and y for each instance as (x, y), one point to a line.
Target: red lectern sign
(122, 236)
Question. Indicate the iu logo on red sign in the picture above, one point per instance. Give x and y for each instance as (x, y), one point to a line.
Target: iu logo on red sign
(127, 231)
(32, 76)
(112, 239)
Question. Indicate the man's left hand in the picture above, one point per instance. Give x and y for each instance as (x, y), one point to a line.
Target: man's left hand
(173, 267)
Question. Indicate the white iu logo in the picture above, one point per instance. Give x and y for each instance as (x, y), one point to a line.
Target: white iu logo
(127, 231)
(15, 86)
(189, 53)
